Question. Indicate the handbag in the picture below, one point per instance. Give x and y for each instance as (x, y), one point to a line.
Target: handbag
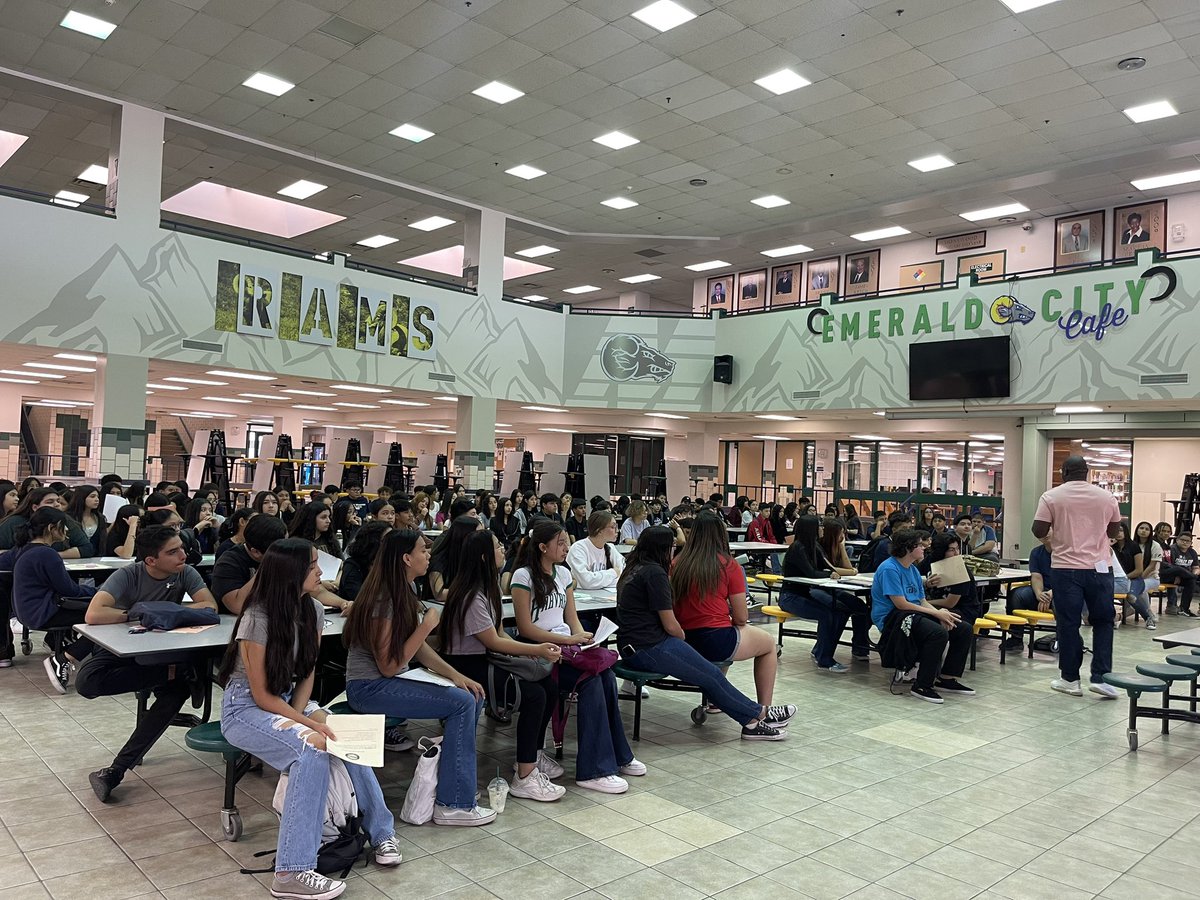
(527, 668)
(591, 661)
(419, 799)
(163, 615)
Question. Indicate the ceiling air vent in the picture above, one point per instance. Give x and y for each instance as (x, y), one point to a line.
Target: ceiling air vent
(649, 253)
(205, 346)
(438, 376)
(345, 30)
(805, 395)
(1174, 378)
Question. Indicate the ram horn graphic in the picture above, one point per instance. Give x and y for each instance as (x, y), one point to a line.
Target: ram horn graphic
(625, 357)
(1008, 310)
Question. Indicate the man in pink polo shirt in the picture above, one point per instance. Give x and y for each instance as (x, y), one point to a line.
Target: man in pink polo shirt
(1083, 517)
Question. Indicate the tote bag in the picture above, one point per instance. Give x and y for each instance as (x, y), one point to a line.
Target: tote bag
(418, 802)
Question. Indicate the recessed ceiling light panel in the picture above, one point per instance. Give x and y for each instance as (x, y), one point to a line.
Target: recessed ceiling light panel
(770, 201)
(88, 25)
(1162, 181)
(932, 163)
(581, 289)
(664, 15)
(433, 223)
(498, 92)
(535, 252)
(411, 132)
(705, 266)
(302, 190)
(616, 140)
(268, 84)
(793, 250)
(782, 82)
(641, 279)
(1148, 112)
(994, 212)
(880, 234)
(619, 203)
(379, 240)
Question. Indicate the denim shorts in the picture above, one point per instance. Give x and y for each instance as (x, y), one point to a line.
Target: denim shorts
(715, 644)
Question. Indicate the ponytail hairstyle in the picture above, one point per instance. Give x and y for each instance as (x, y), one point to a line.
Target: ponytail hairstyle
(477, 574)
(234, 522)
(386, 592)
(654, 546)
(541, 582)
(290, 614)
(39, 525)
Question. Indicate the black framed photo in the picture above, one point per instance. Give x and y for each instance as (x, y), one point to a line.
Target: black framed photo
(752, 289)
(822, 278)
(720, 292)
(785, 284)
(862, 273)
(1139, 227)
(1079, 239)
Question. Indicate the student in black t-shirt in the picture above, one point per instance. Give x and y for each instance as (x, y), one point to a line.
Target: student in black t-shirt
(577, 521)
(233, 573)
(161, 573)
(1181, 565)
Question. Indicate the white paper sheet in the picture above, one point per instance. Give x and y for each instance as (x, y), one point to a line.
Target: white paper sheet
(606, 629)
(426, 676)
(359, 739)
(952, 569)
(112, 505)
(330, 565)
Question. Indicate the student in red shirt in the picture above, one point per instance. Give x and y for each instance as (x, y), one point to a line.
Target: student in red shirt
(710, 604)
(759, 530)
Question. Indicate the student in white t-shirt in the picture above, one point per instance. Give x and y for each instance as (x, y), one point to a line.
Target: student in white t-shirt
(594, 563)
(543, 594)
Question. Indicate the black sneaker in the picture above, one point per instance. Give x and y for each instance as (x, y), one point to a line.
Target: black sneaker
(779, 716)
(397, 740)
(105, 781)
(1016, 642)
(929, 695)
(953, 686)
(1188, 613)
(763, 732)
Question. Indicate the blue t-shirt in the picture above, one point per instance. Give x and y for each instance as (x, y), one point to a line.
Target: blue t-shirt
(1039, 561)
(893, 580)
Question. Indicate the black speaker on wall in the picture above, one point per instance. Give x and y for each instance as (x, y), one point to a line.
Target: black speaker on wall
(723, 369)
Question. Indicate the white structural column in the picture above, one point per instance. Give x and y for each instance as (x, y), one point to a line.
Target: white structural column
(1035, 470)
(702, 451)
(475, 441)
(1017, 516)
(11, 399)
(135, 167)
(118, 439)
(483, 254)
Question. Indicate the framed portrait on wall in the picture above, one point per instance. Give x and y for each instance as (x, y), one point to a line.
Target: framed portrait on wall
(785, 284)
(988, 266)
(822, 278)
(1079, 239)
(917, 276)
(752, 289)
(720, 292)
(1139, 227)
(862, 273)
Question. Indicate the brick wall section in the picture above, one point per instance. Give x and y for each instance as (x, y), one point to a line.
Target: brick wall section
(478, 468)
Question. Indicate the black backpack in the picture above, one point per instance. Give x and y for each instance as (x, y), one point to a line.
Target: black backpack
(336, 857)
(866, 559)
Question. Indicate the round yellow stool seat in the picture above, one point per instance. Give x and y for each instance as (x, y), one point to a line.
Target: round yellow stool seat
(776, 612)
(1034, 616)
(1004, 620)
(767, 578)
(984, 625)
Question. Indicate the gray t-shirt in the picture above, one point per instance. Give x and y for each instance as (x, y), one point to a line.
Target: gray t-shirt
(476, 619)
(134, 583)
(360, 661)
(253, 628)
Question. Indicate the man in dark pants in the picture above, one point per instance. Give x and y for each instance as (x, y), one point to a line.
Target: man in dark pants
(1083, 517)
(1180, 565)
(160, 573)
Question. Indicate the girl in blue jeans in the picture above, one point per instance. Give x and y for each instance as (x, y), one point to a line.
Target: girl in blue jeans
(268, 676)
(384, 634)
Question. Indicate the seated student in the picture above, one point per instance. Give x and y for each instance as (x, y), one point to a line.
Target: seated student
(76, 545)
(121, 535)
(883, 548)
(1038, 594)
(265, 503)
(964, 597)
(405, 519)
(381, 510)
(543, 596)
(939, 523)
(40, 580)
(709, 588)
(161, 574)
(84, 508)
(547, 508)
(877, 527)
(983, 540)
(233, 530)
(313, 522)
(759, 530)
(171, 519)
(267, 711)
(233, 573)
(831, 609)
(354, 493)
(594, 562)
(636, 522)
(443, 563)
(1181, 565)
(912, 629)
(1145, 559)
(360, 557)
(386, 632)
(470, 629)
(345, 523)
(577, 521)
(201, 520)
(652, 640)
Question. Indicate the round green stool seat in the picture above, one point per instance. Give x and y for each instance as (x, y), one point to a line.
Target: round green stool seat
(637, 676)
(1166, 672)
(1196, 651)
(343, 709)
(1188, 662)
(1133, 682)
(207, 738)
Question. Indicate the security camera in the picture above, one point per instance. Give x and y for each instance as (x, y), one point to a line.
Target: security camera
(1027, 225)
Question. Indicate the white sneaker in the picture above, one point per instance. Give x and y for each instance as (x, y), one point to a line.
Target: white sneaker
(449, 815)
(1105, 690)
(387, 853)
(633, 768)
(310, 885)
(1151, 625)
(606, 784)
(1067, 687)
(628, 688)
(548, 765)
(536, 786)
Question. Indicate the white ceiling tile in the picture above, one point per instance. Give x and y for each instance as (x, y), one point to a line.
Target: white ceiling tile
(424, 25)
(560, 28)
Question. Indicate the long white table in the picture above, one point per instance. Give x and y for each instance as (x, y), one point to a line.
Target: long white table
(109, 564)
(1189, 638)
(734, 546)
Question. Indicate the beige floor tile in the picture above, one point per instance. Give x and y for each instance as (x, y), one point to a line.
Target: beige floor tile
(543, 839)
(536, 881)
(919, 882)
(598, 822)
(648, 845)
(594, 864)
(55, 832)
(113, 882)
(14, 871)
(78, 857)
(705, 872)
(759, 888)
(1027, 886)
(867, 863)
(482, 859)
(418, 879)
(817, 880)
(155, 840)
(646, 807)
(1130, 887)
(697, 829)
(648, 884)
(169, 870)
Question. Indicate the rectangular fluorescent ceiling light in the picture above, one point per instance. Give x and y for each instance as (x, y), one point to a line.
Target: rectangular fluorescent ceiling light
(558, 430)
(427, 424)
(23, 374)
(10, 143)
(931, 163)
(645, 431)
(448, 399)
(768, 437)
(78, 357)
(302, 190)
(88, 25)
(641, 279)
(248, 376)
(665, 416)
(55, 367)
(268, 84)
(450, 262)
(778, 418)
(535, 252)
(620, 203)
(880, 234)
(793, 250)
(181, 380)
(70, 198)
(782, 82)
(523, 171)
(1067, 410)
(166, 387)
(705, 266)
(372, 425)
(404, 402)
(867, 437)
(664, 15)
(1020, 6)
(1162, 181)
(581, 289)
(19, 380)
(433, 223)
(988, 437)
(94, 175)
(379, 240)
(361, 388)
(1148, 112)
(226, 400)
(357, 405)
(316, 408)
(549, 409)
(498, 92)
(533, 298)
(265, 396)
(994, 212)
(616, 140)
(411, 132)
(243, 209)
(303, 393)
(770, 201)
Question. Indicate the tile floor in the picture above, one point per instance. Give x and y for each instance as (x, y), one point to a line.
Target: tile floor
(1017, 793)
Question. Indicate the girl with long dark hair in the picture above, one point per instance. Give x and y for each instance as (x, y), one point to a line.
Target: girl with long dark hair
(505, 524)
(470, 629)
(346, 522)
(1140, 558)
(314, 523)
(123, 533)
(360, 557)
(443, 562)
(265, 503)
(233, 530)
(386, 631)
(201, 520)
(268, 673)
(84, 508)
(543, 594)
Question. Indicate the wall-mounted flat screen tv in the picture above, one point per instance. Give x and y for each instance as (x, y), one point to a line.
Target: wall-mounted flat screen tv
(973, 369)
